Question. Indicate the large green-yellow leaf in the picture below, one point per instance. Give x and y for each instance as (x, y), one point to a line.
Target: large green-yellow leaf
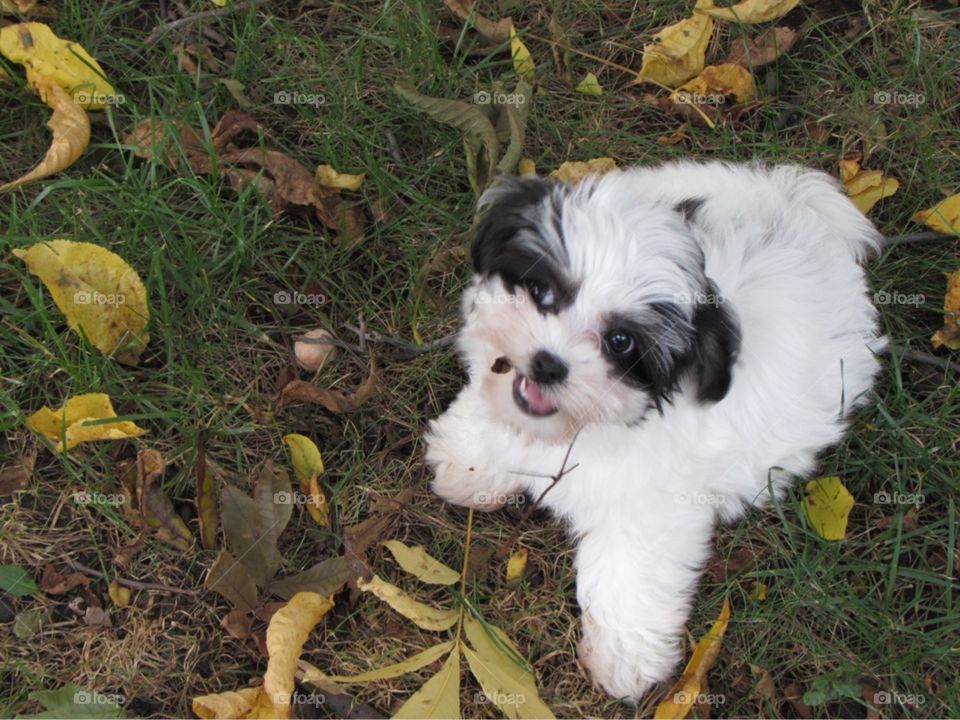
(48, 57)
(425, 616)
(943, 217)
(68, 422)
(71, 134)
(416, 561)
(498, 666)
(439, 697)
(751, 11)
(100, 295)
(414, 662)
(230, 578)
(684, 693)
(827, 507)
(523, 64)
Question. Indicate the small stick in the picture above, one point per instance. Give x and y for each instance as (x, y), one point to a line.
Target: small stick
(916, 237)
(921, 357)
(373, 336)
(128, 583)
(164, 28)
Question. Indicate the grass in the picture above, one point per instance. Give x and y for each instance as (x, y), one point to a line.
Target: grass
(878, 609)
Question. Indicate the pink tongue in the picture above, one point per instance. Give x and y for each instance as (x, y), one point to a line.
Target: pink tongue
(537, 401)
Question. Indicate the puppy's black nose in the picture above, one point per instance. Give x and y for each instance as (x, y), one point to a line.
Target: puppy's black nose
(547, 369)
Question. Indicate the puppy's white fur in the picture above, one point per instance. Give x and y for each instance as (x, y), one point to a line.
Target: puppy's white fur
(783, 248)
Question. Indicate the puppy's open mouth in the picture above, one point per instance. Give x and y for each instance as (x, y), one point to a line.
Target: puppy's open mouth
(530, 398)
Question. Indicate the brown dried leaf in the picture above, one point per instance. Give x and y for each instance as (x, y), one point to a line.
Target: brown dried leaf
(16, 476)
(238, 623)
(763, 49)
(208, 495)
(54, 583)
(495, 32)
(230, 578)
(333, 400)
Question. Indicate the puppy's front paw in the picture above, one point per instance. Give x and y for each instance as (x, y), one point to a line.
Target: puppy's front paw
(459, 473)
(624, 663)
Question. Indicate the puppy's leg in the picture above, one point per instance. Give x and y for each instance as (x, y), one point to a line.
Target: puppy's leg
(471, 455)
(636, 577)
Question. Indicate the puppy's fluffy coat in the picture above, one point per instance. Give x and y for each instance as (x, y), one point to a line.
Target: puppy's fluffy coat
(693, 334)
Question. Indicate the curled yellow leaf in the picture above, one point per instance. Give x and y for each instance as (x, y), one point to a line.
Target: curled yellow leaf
(516, 565)
(752, 11)
(222, 706)
(69, 421)
(678, 51)
(48, 58)
(589, 86)
(308, 466)
(865, 187)
(97, 291)
(523, 63)
(949, 334)
(416, 561)
(574, 171)
(943, 217)
(71, 134)
(423, 615)
(827, 507)
(683, 695)
(329, 177)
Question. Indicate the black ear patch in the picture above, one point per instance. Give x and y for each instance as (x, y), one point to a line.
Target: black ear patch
(513, 210)
(715, 347)
(688, 208)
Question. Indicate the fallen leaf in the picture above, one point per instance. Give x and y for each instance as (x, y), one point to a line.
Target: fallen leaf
(308, 466)
(96, 617)
(17, 582)
(17, 475)
(252, 525)
(523, 64)
(414, 662)
(943, 217)
(573, 171)
(516, 565)
(328, 177)
(751, 11)
(238, 623)
(71, 134)
(229, 578)
(949, 334)
(225, 705)
(155, 507)
(416, 561)
(560, 47)
(687, 689)
(502, 672)
(73, 701)
(208, 496)
(118, 594)
(288, 631)
(678, 51)
(325, 578)
(729, 79)
(827, 507)
(439, 697)
(50, 59)
(759, 592)
(66, 426)
(495, 32)
(333, 400)
(794, 695)
(762, 49)
(16, 7)
(30, 622)
(764, 689)
(865, 187)
(423, 615)
(526, 168)
(589, 86)
(101, 296)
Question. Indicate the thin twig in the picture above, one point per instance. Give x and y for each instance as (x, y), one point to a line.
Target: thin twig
(918, 356)
(164, 28)
(133, 584)
(375, 337)
(916, 237)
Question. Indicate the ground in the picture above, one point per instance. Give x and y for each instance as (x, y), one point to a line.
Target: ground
(880, 609)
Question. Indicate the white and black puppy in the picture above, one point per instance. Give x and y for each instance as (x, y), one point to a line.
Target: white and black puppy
(698, 332)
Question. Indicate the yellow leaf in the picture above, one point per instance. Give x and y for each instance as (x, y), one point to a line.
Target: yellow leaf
(827, 507)
(752, 11)
(98, 292)
(730, 79)
(865, 187)
(439, 697)
(308, 466)
(69, 421)
(590, 86)
(943, 217)
(289, 629)
(219, 3)
(71, 134)
(414, 662)
(329, 177)
(683, 695)
(759, 592)
(417, 562)
(119, 594)
(425, 616)
(48, 57)
(516, 565)
(949, 335)
(678, 51)
(502, 673)
(16, 7)
(526, 168)
(574, 171)
(522, 61)
(223, 706)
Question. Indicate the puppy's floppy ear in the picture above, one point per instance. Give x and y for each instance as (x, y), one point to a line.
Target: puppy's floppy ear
(715, 347)
(509, 206)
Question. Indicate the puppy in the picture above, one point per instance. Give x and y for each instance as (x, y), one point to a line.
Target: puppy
(693, 335)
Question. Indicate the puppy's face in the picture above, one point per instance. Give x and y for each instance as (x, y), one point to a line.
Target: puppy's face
(590, 306)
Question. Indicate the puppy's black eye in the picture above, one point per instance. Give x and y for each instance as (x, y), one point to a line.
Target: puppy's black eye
(542, 294)
(620, 343)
